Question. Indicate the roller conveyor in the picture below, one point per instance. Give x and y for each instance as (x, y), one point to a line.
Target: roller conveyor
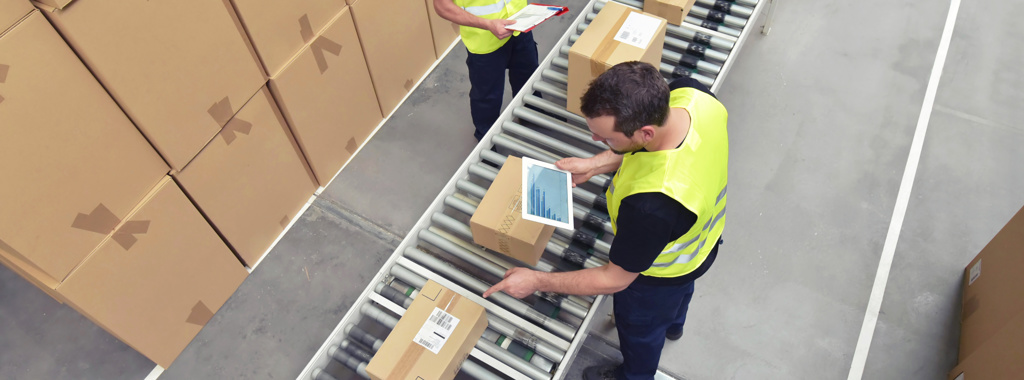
(536, 337)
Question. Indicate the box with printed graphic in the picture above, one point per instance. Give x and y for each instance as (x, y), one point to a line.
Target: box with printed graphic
(326, 95)
(432, 339)
(498, 222)
(73, 164)
(158, 278)
(618, 34)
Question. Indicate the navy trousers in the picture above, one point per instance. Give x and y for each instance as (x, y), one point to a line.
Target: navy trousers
(643, 313)
(487, 78)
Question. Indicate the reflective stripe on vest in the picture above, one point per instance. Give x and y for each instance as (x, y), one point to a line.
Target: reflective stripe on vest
(482, 41)
(695, 175)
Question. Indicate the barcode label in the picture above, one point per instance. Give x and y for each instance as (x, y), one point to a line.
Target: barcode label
(436, 330)
(638, 30)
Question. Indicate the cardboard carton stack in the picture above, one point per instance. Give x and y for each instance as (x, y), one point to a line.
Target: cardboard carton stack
(152, 150)
(992, 314)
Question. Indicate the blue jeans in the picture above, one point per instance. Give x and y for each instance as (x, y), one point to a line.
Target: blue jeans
(643, 313)
(487, 78)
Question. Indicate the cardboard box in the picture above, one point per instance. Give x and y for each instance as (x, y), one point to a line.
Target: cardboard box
(158, 279)
(498, 222)
(73, 164)
(180, 69)
(993, 287)
(598, 48)
(11, 11)
(997, 358)
(673, 11)
(432, 339)
(279, 29)
(254, 161)
(397, 57)
(327, 97)
(445, 32)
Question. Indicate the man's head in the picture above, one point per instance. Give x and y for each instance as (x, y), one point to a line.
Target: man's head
(624, 100)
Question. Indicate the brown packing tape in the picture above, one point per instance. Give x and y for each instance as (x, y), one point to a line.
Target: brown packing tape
(3, 77)
(414, 351)
(352, 146)
(101, 220)
(125, 236)
(599, 61)
(409, 84)
(236, 125)
(284, 221)
(306, 29)
(287, 131)
(221, 111)
(318, 46)
(200, 314)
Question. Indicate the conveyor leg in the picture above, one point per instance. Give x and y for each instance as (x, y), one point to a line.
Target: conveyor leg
(767, 27)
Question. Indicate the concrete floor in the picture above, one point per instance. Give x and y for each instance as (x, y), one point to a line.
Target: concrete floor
(823, 114)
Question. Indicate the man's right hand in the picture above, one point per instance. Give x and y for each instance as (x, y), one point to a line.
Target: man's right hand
(497, 27)
(581, 168)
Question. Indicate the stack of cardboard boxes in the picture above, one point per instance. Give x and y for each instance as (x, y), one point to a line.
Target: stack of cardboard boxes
(992, 314)
(153, 150)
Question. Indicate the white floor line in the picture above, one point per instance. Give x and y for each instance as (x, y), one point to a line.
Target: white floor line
(153, 375)
(867, 329)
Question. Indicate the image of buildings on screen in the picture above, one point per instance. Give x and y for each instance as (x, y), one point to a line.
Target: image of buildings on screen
(548, 197)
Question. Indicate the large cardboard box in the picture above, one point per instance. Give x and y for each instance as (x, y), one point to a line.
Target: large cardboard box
(397, 57)
(432, 339)
(673, 11)
(180, 69)
(445, 32)
(158, 279)
(11, 11)
(253, 162)
(327, 97)
(498, 222)
(73, 164)
(279, 29)
(996, 358)
(993, 287)
(618, 34)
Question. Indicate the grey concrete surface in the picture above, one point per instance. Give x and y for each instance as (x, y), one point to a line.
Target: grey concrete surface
(822, 113)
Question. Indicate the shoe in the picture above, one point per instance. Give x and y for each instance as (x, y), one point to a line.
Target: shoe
(600, 372)
(673, 333)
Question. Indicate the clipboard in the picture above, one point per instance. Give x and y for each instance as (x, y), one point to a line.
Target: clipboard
(534, 14)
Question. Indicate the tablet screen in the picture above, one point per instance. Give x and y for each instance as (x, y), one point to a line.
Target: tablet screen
(547, 194)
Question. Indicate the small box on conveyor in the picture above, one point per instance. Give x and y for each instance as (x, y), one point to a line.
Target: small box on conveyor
(498, 222)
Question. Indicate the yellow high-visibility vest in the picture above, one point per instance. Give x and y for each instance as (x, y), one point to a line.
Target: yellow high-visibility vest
(482, 41)
(694, 174)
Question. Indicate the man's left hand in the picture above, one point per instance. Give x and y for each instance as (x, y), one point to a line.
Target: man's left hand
(518, 283)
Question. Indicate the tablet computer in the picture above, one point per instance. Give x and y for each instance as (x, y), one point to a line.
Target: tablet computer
(547, 194)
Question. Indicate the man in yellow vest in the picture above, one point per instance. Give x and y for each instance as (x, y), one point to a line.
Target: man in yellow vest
(492, 50)
(667, 206)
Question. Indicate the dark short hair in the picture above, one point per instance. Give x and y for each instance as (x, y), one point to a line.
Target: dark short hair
(634, 93)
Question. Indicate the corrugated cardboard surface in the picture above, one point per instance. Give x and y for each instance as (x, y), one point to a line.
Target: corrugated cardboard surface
(73, 164)
(158, 279)
(279, 29)
(445, 32)
(997, 292)
(326, 95)
(998, 358)
(673, 11)
(596, 51)
(400, 358)
(397, 56)
(498, 222)
(58, 4)
(251, 180)
(11, 11)
(180, 69)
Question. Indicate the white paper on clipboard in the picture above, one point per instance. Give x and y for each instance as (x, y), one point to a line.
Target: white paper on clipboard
(547, 194)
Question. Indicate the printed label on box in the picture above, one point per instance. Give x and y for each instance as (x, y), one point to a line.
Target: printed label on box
(436, 330)
(975, 273)
(638, 30)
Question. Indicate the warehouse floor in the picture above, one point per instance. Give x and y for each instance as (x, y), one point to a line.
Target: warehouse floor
(824, 114)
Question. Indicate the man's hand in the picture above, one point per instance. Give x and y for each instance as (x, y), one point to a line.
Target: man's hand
(581, 168)
(497, 27)
(518, 283)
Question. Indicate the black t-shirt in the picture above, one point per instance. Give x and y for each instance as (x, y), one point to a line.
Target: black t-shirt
(647, 222)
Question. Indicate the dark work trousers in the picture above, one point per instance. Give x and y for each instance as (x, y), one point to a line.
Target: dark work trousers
(643, 313)
(487, 77)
